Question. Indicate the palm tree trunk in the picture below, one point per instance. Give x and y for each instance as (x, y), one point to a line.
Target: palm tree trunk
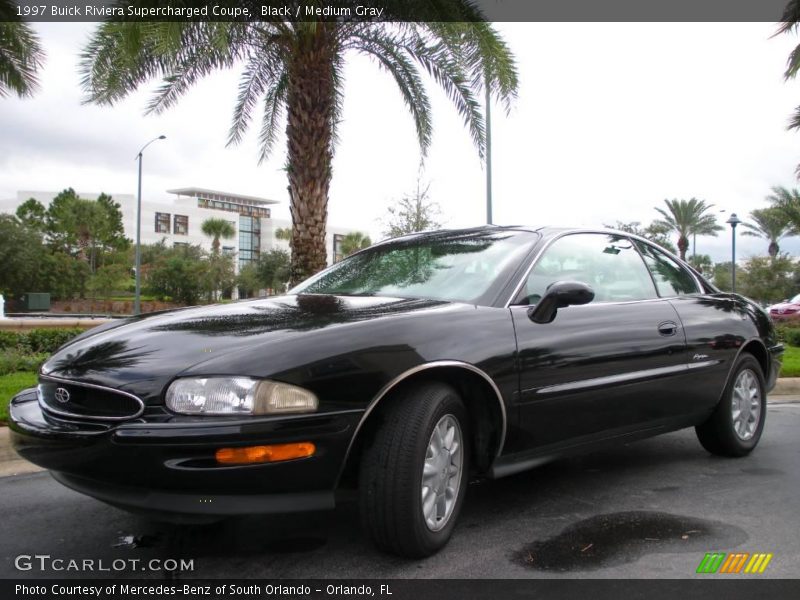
(683, 245)
(310, 103)
(774, 248)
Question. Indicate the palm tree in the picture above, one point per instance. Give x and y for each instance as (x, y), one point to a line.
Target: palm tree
(216, 229)
(789, 23)
(687, 217)
(296, 70)
(787, 203)
(20, 53)
(353, 242)
(283, 233)
(770, 224)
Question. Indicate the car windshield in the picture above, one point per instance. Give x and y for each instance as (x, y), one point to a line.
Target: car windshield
(795, 300)
(449, 265)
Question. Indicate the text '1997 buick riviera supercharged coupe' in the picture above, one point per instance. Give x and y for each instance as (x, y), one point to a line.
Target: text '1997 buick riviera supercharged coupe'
(402, 371)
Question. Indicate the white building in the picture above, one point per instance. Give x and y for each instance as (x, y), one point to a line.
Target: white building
(178, 219)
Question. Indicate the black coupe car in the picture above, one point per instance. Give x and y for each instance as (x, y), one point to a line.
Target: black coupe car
(400, 371)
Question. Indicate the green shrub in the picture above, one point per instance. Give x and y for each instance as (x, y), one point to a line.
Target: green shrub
(8, 339)
(49, 340)
(36, 341)
(788, 332)
(792, 337)
(11, 361)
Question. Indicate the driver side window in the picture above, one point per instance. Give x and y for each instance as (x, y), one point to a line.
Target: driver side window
(610, 264)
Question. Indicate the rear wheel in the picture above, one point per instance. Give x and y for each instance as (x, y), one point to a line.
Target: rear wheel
(735, 426)
(413, 476)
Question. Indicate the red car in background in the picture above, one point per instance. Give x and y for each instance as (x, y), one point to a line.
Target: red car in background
(786, 310)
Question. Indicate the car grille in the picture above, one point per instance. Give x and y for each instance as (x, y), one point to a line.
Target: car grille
(83, 400)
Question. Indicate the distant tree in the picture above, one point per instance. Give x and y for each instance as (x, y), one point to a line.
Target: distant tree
(767, 279)
(787, 203)
(273, 269)
(220, 276)
(84, 228)
(722, 275)
(217, 228)
(179, 273)
(108, 279)
(354, 241)
(657, 233)
(687, 217)
(703, 263)
(33, 214)
(21, 256)
(412, 213)
(283, 233)
(248, 281)
(770, 224)
(21, 54)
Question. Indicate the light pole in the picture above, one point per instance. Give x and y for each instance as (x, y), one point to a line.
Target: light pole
(488, 153)
(137, 301)
(733, 221)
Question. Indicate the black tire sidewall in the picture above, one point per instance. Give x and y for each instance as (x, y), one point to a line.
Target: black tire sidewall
(725, 419)
(449, 403)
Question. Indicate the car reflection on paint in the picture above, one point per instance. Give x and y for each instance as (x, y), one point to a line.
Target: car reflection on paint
(402, 371)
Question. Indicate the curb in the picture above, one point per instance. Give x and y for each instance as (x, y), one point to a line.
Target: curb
(786, 386)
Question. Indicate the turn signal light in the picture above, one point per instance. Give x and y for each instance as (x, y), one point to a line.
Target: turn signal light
(262, 454)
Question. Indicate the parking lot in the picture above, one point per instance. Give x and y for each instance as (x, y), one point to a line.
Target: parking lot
(651, 509)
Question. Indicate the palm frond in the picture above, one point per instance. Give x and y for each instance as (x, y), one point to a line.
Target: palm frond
(386, 49)
(21, 55)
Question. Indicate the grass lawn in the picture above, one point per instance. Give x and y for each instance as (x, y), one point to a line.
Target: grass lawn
(10, 385)
(791, 362)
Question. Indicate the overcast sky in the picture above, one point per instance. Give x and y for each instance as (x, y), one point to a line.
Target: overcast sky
(611, 120)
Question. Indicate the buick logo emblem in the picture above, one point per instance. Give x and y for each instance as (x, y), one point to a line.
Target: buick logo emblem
(62, 395)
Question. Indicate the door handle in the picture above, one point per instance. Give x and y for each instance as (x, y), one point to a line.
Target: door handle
(668, 328)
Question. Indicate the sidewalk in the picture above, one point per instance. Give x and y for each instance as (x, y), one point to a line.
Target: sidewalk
(10, 462)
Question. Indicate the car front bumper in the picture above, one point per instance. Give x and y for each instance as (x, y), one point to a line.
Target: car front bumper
(169, 467)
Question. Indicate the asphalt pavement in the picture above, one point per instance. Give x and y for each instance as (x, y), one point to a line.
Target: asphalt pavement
(649, 509)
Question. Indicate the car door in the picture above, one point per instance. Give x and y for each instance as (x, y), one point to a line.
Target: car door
(716, 326)
(602, 368)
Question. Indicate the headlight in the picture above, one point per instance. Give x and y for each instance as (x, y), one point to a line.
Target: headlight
(237, 396)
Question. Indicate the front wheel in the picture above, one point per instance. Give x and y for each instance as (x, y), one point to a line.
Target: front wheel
(735, 426)
(413, 476)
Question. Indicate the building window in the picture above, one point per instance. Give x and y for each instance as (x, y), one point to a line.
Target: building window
(181, 225)
(249, 239)
(180, 244)
(162, 222)
(337, 247)
(228, 250)
(242, 209)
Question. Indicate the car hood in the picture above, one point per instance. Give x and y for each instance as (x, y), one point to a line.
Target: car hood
(252, 338)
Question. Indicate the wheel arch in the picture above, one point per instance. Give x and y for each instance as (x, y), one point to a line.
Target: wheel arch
(481, 396)
(756, 348)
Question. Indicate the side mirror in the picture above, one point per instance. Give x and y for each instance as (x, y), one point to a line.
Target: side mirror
(559, 295)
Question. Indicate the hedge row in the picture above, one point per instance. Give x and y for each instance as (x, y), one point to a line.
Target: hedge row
(36, 341)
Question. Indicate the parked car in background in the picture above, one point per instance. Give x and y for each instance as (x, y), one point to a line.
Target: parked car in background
(788, 310)
(401, 371)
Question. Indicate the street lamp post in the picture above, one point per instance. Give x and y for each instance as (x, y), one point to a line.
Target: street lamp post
(733, 221)
(488, 154)
(137, 301)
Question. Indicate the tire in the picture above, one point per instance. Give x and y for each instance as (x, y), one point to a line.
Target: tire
(731, 430)
(391, 482)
